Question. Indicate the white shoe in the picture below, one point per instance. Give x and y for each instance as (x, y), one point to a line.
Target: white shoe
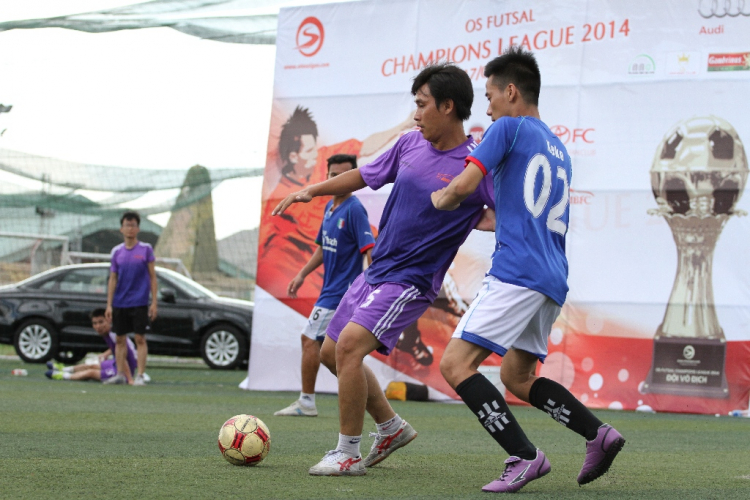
(296, 409)
(117, 379)
(338, 463)
(139, 380)
(146, 378)
(385, 444)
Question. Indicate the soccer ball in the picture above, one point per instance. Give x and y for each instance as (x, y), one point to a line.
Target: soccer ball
(244, 440)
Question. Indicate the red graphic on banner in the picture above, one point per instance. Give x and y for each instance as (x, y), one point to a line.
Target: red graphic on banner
(567, 135)
(310, 36)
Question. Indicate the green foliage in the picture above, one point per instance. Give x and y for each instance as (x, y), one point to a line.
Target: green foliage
(61, 439)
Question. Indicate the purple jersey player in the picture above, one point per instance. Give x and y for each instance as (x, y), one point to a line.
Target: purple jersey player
(132, 276)
(343, 238)
(106, 368)
(415, 246)
(513, 313)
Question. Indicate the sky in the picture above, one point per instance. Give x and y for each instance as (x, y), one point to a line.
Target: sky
(150, 98)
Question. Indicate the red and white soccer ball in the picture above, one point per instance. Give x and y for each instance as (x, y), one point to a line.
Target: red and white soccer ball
(244, 440)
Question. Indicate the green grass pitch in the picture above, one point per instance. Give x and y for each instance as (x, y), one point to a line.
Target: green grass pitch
(83, 440)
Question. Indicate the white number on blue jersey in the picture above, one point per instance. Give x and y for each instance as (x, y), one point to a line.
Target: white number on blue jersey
(536, 206)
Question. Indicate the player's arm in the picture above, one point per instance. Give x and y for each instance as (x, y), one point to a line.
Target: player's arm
(342, 184)
(153, 310)
(106, 354)
(368, 258)
(487, 221)
(315, 261)
(460, 188)
(111, 286)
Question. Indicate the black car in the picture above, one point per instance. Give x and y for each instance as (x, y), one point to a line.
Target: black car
(47, 316)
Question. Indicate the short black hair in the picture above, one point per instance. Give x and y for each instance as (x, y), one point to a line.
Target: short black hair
(519, 67)
(299, 124)
(447, 81)
(131, 215)
(99, 312)
(341, 158)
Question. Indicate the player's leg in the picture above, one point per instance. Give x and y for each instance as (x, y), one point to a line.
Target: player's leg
(87, 374)
(312, 338)
(603, 442)
(121, 324)
(493, 321)
(140, 328)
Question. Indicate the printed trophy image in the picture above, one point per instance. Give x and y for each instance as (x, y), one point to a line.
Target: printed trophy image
(698, 175)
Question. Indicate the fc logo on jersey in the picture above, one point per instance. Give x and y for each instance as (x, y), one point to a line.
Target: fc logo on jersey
(310, 36)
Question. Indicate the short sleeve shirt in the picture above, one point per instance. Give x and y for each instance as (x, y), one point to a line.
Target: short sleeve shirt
(531, 170)
(417, 242)
(133, 279)
(344, 236)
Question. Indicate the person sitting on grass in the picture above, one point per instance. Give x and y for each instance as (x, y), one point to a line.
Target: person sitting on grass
(106, 368)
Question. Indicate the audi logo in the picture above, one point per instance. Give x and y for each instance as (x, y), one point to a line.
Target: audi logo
(723, 8)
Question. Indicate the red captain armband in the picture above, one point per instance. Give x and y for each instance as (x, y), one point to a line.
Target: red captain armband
(471, 159)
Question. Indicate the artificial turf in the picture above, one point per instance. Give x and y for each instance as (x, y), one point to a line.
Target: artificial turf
(61, 439)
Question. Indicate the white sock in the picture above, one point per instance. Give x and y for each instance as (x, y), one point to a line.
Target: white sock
(349, 444)
(390, 426)
(68, 369)
(67, 375)
(307, 400)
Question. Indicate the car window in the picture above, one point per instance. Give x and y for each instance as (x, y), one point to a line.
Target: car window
(85, 281)
(47, 285)
(162, 284)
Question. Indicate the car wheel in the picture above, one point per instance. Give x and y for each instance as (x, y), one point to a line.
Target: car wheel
(223, 347)
(35, 341)
(70, 357)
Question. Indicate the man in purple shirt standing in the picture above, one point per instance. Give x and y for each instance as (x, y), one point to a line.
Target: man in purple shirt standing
(106, 368)
(132, 276)
(416, 245)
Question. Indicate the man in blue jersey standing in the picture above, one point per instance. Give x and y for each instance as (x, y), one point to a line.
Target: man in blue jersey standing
(344, 236)
(526, 286)
(416, 245)
(132, 276)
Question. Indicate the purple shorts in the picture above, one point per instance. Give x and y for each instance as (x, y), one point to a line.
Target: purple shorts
(108, 369)
(384, 309)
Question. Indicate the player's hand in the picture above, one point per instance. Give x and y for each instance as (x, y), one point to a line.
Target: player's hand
(108, 313)
(153, 311)
(294, 286)
(487, 221)
(298, 197)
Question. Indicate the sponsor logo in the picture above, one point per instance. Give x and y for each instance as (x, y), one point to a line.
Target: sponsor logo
(521, 476)
(688, 352)
(477, 132)
(560, 414)
(738, 61)
(310, 36)
(683, 63)
(494, 420)
(445, 177)
(724, 8)
(642, 64)
(581, 197)
(716, 30)
(576, 135)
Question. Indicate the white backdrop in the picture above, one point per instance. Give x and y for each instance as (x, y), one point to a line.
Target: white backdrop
(616, 78)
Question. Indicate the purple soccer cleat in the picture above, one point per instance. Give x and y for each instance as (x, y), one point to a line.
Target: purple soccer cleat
(600, 453)
(518, 473)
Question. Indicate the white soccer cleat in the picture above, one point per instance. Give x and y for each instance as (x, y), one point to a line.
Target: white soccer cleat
(297, 410)
(338, 463)
(385, 444)
(116, 380)
(139, 380)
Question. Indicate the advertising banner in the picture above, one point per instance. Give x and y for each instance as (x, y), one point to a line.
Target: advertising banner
(648, 98)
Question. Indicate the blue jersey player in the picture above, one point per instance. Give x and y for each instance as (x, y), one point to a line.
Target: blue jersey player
(524, 290)
(343, 237)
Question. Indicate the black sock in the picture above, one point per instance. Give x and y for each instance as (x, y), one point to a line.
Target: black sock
(549, 396)
(483, 398)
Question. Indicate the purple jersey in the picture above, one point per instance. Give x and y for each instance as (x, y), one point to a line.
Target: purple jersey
(417, 242)
(111, 340)
(133, 280)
